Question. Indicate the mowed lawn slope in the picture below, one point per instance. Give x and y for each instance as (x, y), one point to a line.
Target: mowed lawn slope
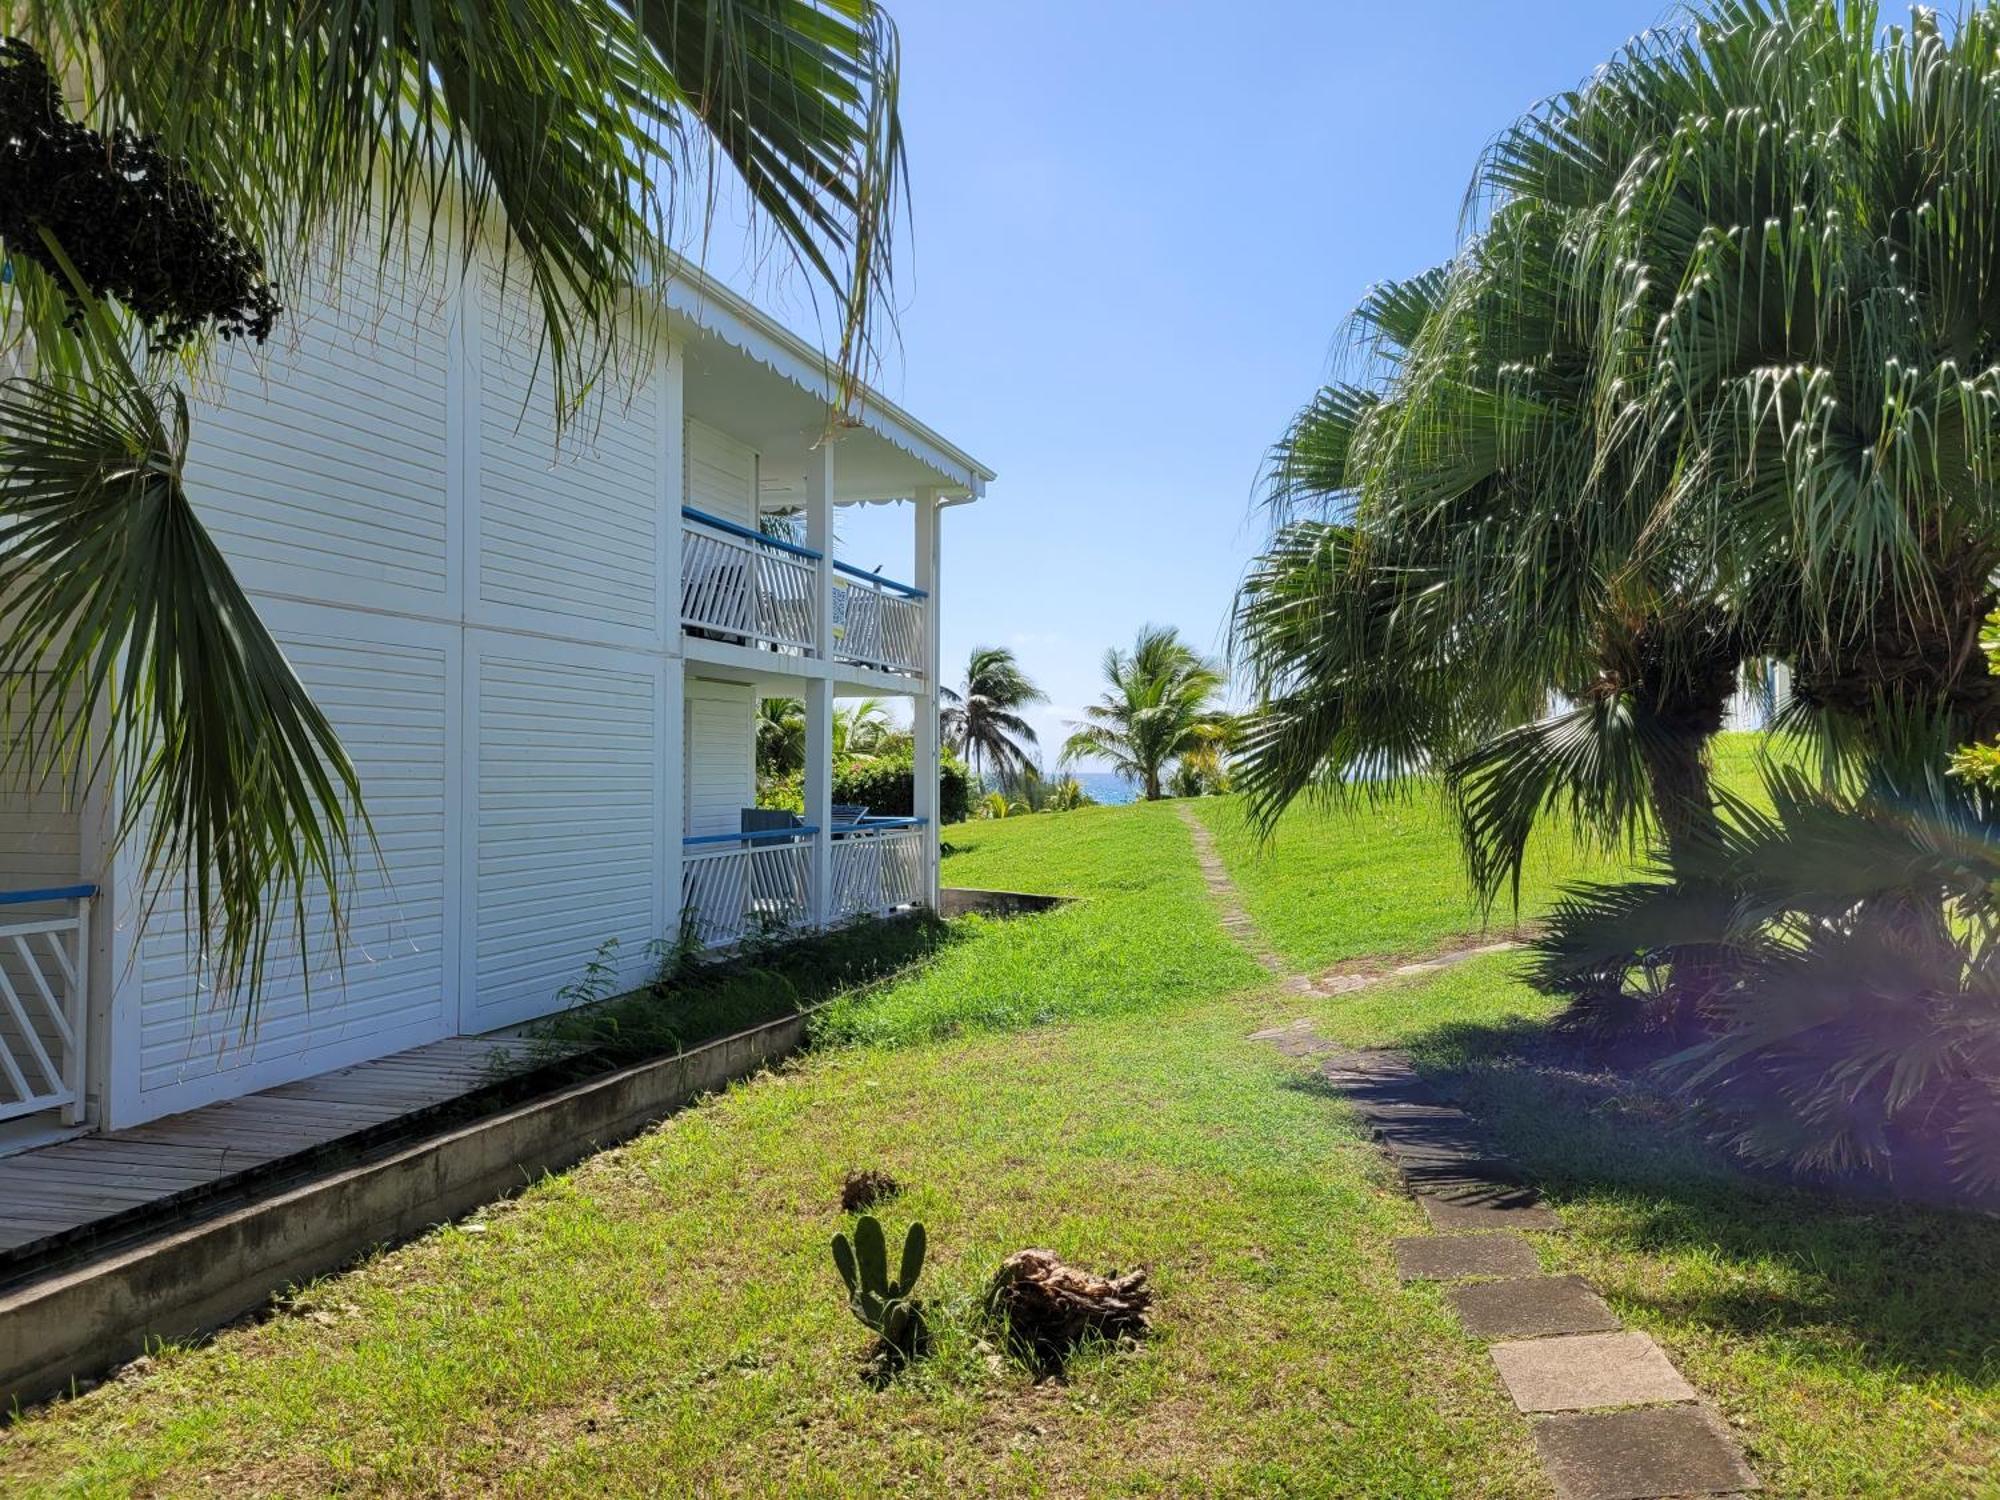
(1371, 879)
(665, 1319)
(1138, 933)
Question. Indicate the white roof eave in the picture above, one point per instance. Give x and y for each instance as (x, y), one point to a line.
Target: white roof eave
(691, 294)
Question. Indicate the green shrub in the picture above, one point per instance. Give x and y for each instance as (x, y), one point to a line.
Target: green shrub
(884, 784)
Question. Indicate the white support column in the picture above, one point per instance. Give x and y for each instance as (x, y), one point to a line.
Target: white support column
(819, 692)
(819, 537)
(672, 792)
(819, 793)
(924, 712)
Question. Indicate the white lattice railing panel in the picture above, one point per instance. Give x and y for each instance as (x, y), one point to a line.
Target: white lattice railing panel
(757, 589)
(877, 625)
(731, 890)
(44, 1002)
(877, 872)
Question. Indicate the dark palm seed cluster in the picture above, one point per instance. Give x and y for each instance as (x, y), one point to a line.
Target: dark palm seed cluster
(133, 223)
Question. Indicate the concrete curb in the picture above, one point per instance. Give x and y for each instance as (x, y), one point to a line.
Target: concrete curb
(187, 1282)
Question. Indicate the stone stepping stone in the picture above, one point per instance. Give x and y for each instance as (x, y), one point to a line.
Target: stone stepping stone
(1531, 1307)
(1641, 1455)
(1455, 1257)
(1499, 1208)
(1589, 1370)
(1296, 1040)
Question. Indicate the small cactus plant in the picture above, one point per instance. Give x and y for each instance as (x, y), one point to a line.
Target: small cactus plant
(883, 1304)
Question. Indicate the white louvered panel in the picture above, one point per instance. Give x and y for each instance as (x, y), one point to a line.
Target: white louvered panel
(721, 756)
(567, 824)
(567, 532)
(721, 475)
(319, 461)
(386, 988)
(38, 820)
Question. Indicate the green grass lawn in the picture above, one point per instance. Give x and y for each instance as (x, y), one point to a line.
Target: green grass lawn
(1138, 934)
(1339, 882)
(1857, 1342)
(665, 1319)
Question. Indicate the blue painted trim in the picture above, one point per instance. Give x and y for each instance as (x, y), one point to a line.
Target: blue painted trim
(888, 583)
(54, 893)
(745, 838)
(688, 512)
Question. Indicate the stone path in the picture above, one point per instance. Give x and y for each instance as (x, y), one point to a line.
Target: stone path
(1612, 1418)
(1241, 926)
(1236, 921)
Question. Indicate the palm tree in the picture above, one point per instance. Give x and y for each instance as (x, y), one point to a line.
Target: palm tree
(982, 720)
(1716, 378)
(1161, 708)
(864, 731)
(230, 143)
(1626, 443)
(781, 737)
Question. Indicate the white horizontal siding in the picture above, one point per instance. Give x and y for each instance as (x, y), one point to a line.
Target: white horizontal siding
(567, 824)
(721, 775)
(39, 821)
(569, 530)
(387, 983)
(319, 461)
(721, 475)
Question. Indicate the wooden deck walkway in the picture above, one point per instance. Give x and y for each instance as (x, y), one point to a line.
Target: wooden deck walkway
(50, 1190)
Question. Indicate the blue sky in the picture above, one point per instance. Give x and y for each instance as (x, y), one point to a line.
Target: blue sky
(1137, 226)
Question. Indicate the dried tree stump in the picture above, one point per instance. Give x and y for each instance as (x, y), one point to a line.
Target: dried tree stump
(1050, 1307)
(865, 1189)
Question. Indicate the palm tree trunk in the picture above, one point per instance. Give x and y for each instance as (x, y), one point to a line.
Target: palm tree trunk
(1674, 751)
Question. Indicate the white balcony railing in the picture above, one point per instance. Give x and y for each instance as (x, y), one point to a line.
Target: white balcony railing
(877, 623)
(877, 868)
(736, 886)
(741, 586)
(44, 1001)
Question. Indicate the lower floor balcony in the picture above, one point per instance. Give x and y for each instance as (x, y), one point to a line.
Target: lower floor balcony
(765, 882)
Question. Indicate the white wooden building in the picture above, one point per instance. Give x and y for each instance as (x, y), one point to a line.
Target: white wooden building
(546, 666)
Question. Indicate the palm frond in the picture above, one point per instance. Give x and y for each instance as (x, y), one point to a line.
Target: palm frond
(119, 609)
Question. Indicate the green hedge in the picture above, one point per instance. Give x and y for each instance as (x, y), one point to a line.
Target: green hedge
(885, 786)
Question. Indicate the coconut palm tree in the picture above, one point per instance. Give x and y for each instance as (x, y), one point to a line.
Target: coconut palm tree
(166, 171)
(982, 719)
(1161, 707)
(781, 737)
(863, 730)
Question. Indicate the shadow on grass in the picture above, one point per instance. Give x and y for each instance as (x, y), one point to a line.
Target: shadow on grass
(1838, 1275)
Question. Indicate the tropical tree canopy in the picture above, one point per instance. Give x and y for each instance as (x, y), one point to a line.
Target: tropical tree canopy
(982, 720)
(168, 171)
(1712, 381)
(1160, 708)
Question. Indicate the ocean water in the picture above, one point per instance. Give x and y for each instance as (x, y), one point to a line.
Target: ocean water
(1108, 787)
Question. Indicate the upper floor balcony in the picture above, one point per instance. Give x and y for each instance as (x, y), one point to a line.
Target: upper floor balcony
(742, 586)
